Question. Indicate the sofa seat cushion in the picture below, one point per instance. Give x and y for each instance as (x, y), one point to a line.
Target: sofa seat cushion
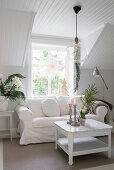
(47, 121)
(50, 108)
(91, 116)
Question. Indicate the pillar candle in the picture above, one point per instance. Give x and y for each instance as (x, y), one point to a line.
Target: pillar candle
(74, 101)
(69, 100)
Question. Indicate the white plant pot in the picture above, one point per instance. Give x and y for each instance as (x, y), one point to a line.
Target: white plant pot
(3, 103)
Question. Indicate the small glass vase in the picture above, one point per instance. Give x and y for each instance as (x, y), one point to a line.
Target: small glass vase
(82, 121)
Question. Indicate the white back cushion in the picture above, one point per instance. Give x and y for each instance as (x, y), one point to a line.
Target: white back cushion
(35, 106)
(63, 104)
(78, 102)
(50, 108)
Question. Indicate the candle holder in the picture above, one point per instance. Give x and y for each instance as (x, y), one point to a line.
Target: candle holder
(75, 123)
(70, 114)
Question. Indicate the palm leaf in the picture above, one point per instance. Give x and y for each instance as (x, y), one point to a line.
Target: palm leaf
(89, 96)
(9, 79)
(16, 95)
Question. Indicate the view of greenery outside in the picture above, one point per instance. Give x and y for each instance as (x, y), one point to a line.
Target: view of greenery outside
(40, 85)
(48, 70)
(56, 84)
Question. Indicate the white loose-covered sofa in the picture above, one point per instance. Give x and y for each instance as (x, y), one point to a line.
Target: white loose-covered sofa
(37, 117)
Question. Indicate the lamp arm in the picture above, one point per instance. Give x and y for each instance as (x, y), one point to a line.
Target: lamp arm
(103, 81)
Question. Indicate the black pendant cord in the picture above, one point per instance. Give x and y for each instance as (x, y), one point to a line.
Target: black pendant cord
(76, 9)
(76, 25)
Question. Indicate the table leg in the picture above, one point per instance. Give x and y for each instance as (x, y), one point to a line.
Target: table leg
(109, 145)
(56, 138)
(11, 128)
(70, 148)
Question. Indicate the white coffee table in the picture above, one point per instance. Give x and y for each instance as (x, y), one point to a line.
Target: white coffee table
(81, 140)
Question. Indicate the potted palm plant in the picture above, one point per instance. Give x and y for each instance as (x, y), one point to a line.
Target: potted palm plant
(88, 97)
(10, 89)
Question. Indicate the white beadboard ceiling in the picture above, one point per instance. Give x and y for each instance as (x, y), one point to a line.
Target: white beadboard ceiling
(56, 18)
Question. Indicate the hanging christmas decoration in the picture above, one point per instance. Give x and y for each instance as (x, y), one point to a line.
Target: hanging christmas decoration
(76, 55)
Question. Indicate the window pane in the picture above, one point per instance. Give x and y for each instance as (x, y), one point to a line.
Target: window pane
(48, 70)
(40, 82)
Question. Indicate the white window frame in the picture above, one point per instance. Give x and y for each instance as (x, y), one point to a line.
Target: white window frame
(48, 40)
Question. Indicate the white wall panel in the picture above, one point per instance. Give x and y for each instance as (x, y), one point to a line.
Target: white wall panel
(102, 53)
(15, 31)
(88, 43)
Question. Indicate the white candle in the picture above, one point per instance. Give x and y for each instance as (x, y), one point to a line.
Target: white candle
(69, 100)
(74, 101)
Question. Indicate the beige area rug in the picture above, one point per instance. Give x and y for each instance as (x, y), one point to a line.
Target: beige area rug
(45, 157)
(105, 167)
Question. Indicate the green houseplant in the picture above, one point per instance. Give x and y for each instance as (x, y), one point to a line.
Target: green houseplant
(82, 114)
(10, 89)
(12, 86)
(77, 68)
(82, 117)
(89, 96)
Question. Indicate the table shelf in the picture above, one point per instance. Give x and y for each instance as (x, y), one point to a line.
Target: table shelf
(82, 146)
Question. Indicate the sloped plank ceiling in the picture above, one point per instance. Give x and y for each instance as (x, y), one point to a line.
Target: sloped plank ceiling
(102, 55)
(15, 31)
(87, 44)
(57, 18)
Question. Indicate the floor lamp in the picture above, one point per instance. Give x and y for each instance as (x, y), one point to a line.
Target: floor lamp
(97, 73)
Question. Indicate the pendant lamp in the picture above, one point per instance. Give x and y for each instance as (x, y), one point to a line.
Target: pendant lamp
(77, 10)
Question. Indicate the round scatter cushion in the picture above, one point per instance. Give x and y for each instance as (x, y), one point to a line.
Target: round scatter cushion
(50, 108)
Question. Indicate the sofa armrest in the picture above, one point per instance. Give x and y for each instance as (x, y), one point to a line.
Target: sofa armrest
(101, 112)
(24, 113)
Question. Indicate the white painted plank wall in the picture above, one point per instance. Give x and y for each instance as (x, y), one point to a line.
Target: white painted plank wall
(15, 31)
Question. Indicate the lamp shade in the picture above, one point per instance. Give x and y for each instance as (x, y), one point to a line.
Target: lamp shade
(96, 72)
